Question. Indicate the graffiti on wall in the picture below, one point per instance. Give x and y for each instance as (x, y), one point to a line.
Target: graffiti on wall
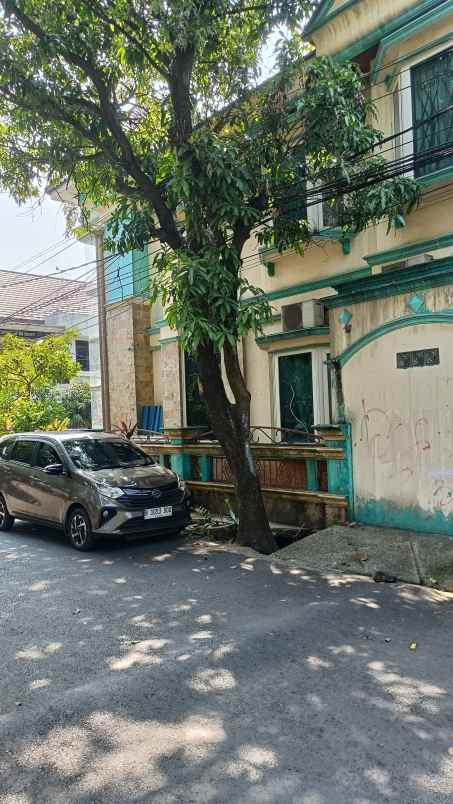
(393, 441)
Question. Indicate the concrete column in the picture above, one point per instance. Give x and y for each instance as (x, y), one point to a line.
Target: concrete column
(172, 368)
(129, 360)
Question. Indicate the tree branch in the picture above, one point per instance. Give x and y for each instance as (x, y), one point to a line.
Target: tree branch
(112, 122)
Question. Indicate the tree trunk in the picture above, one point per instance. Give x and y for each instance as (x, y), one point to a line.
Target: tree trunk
(231, 423)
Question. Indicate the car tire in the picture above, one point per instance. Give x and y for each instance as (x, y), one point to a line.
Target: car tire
(78, 528)
(6, 520)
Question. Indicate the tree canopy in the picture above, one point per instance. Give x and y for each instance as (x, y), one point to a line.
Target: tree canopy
(154, 110)
(29, 370)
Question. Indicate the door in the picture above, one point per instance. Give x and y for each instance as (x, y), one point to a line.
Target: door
(196, 410)
(20, 491)
(295, 385)
(51, 491)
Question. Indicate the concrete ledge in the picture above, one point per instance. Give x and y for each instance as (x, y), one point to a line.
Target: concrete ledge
(316, 497)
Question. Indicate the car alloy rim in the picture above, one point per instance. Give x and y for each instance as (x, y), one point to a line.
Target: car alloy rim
(78, 530)
(2, 513)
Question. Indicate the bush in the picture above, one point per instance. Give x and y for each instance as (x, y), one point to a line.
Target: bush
(76, 403)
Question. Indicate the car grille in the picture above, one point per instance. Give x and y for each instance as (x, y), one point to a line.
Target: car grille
(171, 494)
(137, 525)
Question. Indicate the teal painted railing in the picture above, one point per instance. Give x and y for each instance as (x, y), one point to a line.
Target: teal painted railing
(320, 472)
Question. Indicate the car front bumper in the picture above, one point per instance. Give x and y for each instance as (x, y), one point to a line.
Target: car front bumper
(123, 521)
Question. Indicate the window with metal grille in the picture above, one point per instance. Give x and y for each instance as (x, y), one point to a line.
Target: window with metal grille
(82, 355)
(432, 97)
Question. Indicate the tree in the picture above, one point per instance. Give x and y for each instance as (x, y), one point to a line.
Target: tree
(29, 370)
(76, 403)
(27, 367)
(154, 110)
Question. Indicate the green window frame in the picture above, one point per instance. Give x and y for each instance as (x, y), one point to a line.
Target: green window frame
(432, 92)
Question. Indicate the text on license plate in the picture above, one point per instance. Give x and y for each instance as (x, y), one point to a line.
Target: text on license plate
(157, 513)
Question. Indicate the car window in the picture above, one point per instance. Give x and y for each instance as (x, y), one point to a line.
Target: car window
(94, 454)
(23, 451)
(5, 449)
(129, 455)
(46, 456)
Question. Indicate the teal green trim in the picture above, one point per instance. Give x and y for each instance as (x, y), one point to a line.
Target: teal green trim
(389, 514)
(294, 333)
(339, 473)
(169, 340)
(441, 40)
(322, 17)
(317, 284)
(182, 465)
(375, 36)
(155, 328)
(432, 16)
(319, 14)
(346, 245)
(270, 266)
(443, 317)
(394, 283)
(410, 250)
(312, 475)
(437, 177)
(205, 464)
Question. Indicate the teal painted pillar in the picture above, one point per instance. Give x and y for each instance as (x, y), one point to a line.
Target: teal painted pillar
(182, 465)
(162, 460)
(339, 473)
(205, 464)
(312, 475)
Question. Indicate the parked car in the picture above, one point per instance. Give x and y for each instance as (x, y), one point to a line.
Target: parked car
(90, 484)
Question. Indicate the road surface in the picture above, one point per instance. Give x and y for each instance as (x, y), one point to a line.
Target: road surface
(163, 673)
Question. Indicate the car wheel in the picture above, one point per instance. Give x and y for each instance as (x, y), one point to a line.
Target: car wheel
(6, 520)
(79, 530)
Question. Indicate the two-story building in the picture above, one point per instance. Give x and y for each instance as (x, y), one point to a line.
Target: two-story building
(362, 327)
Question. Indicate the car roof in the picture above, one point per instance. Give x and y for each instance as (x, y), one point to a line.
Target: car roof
(64, 435)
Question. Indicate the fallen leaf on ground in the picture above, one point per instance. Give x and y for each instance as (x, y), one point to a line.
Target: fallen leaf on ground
(413, 646)
(360, 557)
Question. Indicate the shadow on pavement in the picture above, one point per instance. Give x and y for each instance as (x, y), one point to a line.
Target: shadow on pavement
(166, 671)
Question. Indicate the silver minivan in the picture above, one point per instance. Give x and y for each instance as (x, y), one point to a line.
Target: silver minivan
(90, 484)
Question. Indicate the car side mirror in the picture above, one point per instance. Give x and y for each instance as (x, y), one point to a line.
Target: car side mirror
(55, 469)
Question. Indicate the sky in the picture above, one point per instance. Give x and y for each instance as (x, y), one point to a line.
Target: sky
(31, 235)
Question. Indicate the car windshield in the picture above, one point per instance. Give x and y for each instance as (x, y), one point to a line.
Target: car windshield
(94, 454)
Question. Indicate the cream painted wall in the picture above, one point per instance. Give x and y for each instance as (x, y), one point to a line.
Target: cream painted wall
(257, 373)
(370, 315)
(402, 423)
(355, 22)
(157, 377)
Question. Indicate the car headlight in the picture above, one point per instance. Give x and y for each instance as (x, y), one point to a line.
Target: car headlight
(111, 492)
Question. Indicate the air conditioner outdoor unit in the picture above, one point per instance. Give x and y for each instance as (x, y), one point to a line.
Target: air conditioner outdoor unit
(302, 315)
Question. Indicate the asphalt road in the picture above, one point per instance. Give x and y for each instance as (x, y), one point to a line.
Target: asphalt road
(159, 672)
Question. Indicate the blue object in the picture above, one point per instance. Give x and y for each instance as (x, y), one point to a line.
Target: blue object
(417, 303)
(152, 418)
(345, 318)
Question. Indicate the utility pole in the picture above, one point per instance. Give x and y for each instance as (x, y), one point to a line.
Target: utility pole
(100, 273)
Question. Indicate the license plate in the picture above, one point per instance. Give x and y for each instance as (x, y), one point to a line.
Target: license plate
(158, 513)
